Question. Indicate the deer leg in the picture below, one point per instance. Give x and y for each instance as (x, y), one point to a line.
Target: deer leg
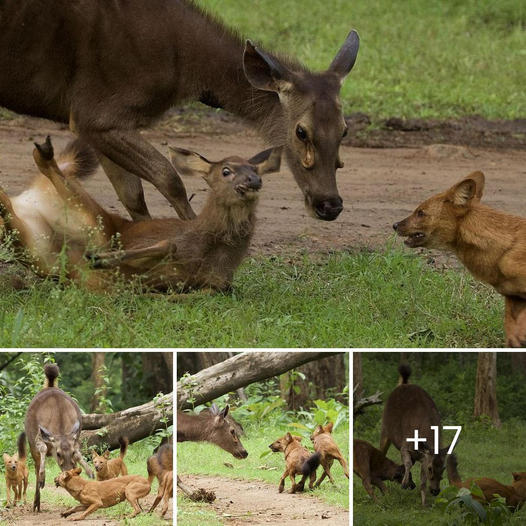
(36, 499)
(79, 458)
(128, 150)
(114, 258)
(384, 445)
(515, 321)
(128, 187)
(423, 484)
(41, 474)
(408, 464)
(367, 484)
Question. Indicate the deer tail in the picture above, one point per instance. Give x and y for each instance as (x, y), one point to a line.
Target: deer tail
(405, 373)
(311, 464)
(452, 471)
(51, 371)
(123, 441)
(21, 443)
(78, 160)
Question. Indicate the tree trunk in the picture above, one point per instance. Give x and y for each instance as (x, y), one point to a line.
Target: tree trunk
(157, 377)
(135, 423)
(321, 376)
(239, 371)
(486, 387)
(357, 374)
(518, 362)
(97, 377)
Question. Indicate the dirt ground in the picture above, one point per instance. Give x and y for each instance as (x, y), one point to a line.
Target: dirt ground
(378, 186)
(50, 514)
(242, 502)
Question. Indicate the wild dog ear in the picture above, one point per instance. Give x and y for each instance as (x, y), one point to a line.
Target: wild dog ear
(188, 163)
(106, 454)
(265, 72)
(346, 57)
(6, 457)
(94, 453)
(267, 161)
(468, 190)
(328, 427)
(288, 437)
(480, 181)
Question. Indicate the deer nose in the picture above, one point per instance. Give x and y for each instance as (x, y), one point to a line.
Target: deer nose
(395, 226)
(329, 209)
(254, 181)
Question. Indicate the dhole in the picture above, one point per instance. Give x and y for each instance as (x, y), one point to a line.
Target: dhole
(298, 460)
(373, 467)
(515, 494)
(202, 253)
(325, 445)
(490, 243)
(107, 468)
(16, 472)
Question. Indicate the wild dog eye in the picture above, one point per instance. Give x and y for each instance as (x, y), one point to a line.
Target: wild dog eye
(301, 134)
(420, 213)
(226, 171)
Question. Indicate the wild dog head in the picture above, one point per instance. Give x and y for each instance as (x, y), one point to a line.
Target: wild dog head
(434, 223)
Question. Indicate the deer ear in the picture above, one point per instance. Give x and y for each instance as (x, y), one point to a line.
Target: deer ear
(75, 430)
(188, 163)
(46, 435)
(344, 61)
(267, 161)
(265, 72)
(224, 412)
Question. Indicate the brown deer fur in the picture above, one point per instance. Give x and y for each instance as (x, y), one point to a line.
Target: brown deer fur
(16, 472)
(407, 409)
(93, 495)
(373, 467)
(325, 445)
(490, 243)
(164, 253)
(298, 461)
(109, 68)
(106, 468)
(52, 426)
(515, 494)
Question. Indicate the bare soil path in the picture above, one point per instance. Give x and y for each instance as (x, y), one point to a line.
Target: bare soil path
(378, 186)
(242, 502)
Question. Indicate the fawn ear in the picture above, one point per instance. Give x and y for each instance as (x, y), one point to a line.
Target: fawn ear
(267, 161)
(468, 190)
(188, 163)
(344, 60)
(77, 471)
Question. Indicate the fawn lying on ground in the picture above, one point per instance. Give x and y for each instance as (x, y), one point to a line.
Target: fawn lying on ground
(170, 253)
(106, 468)
(16, 472)
(298, 461)
(490, 243)
(325, 445)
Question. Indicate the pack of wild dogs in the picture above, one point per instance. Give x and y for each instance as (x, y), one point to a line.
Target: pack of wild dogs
(193, 57)
(219, 428)
(52, 429)
(409, 408)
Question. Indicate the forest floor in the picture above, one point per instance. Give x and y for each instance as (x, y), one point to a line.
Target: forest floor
(241, 502)
(379, 186)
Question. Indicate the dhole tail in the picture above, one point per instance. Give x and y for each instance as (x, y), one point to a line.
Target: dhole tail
(452, 471)
(21, 443)
(311, 464)
(78, 160)
(123, 441)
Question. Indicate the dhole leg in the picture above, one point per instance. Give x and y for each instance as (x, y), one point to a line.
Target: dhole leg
(26, 482)
(134, 492)
(67, 513)
(293, 482)
(12, 221)
(90, 509)
(8, 495)
(128, 150)
(515, 321)
(341, 460)
(367, 484)
(328, 469)
(312, 480)
(281, 486)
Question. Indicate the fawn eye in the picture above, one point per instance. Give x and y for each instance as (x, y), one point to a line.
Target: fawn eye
(226, 171)
(301, 134)
(420, 213)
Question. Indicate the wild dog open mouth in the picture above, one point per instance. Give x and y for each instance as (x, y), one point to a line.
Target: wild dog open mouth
(415, 239)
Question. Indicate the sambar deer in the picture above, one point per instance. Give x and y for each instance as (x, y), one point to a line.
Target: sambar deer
(53, 424)
(110, 68)
(213, 426)
(169, 253)
(407, 410)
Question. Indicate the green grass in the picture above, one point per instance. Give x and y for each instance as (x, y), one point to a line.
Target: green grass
(366, 299)
(482, 451)
(417, 58)
(136, 458)
(256, 441)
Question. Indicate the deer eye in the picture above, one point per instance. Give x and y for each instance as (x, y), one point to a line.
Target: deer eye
(226, 171)
(301, 134)
(420, 213)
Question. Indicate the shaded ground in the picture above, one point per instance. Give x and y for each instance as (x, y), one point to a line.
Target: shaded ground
(242, 502)
(378, 186)
(50, 513)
